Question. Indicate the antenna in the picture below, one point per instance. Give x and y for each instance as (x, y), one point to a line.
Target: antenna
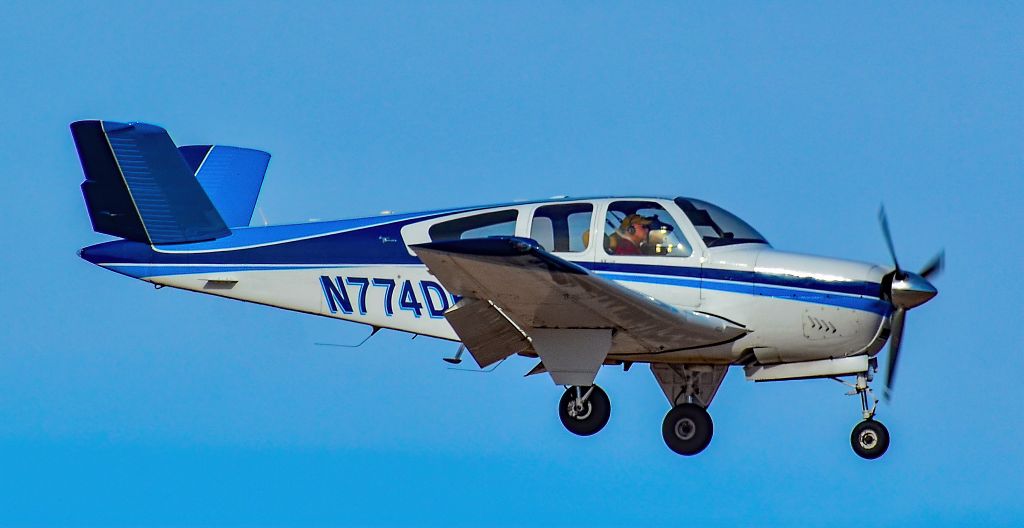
(357, 345)
(458, 356)
(484, 371)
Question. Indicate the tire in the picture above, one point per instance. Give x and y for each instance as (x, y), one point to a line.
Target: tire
(687, 429)
(869, 439)
(592, 418)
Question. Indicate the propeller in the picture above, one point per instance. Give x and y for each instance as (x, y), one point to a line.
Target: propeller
(934, 266)
(903, 290)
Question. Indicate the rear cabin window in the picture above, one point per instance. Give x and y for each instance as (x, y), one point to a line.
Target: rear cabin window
(498, 223)
(562, 228)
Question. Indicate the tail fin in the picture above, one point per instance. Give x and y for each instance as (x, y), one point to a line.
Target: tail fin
(137, 185)
(231, 177)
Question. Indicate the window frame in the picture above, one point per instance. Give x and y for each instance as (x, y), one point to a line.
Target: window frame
(529, 219)
(682, 222)
(514, 212)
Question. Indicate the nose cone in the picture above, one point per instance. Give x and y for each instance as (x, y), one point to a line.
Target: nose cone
(911, 290)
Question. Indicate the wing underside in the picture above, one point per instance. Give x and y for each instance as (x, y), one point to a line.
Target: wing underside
(515, 294)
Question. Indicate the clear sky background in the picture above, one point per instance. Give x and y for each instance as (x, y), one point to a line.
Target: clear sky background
(121, 405)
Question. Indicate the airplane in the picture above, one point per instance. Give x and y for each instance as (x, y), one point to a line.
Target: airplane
(578, 284)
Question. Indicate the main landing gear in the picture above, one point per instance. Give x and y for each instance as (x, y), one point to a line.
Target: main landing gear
(687, 429)
(584, 410)
(870, 439)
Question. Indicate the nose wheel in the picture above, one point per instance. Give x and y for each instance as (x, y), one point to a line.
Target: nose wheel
(584, 410)
(870, 439)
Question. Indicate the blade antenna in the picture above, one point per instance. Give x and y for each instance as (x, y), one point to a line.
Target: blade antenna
(357, 345)
(480, 371)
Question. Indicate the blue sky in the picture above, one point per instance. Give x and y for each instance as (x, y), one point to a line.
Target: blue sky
(121, 405)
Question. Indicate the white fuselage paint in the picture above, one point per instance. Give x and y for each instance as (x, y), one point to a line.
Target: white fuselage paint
(789, 321)
(782, 330)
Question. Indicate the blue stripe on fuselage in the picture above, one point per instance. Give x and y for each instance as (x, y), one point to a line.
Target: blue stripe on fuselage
(868, 304)
(858, 295)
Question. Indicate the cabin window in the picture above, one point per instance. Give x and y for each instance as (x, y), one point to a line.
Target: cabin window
(498, 223)
(636, 228)
(562, 228)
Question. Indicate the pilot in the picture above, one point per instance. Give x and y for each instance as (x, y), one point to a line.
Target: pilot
(632, 235)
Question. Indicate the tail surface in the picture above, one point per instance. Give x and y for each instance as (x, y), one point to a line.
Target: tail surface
(231, 177)
(139, 187)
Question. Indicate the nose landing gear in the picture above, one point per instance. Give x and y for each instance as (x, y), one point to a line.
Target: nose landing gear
(584, 410)
(869, 439)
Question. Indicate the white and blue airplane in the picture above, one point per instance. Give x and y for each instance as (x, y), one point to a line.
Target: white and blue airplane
(577, 283)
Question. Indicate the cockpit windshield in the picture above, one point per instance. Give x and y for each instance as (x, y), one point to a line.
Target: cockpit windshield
(717, 226)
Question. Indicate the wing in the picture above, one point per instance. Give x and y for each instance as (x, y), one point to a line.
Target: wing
(518, 296)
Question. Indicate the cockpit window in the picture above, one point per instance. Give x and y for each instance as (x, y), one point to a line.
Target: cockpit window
(717, 226)
(645, 229)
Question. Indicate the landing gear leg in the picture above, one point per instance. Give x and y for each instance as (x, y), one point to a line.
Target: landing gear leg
(869, 439)
(584, 410)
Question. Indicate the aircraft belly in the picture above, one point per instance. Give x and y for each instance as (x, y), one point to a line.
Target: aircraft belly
(718, 354)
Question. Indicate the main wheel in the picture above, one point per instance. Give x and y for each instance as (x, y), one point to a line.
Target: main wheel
(687, 429)
(870, 439)
(587, 417)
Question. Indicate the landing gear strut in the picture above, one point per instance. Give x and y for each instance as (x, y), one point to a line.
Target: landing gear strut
(584, 410)
(870, 439)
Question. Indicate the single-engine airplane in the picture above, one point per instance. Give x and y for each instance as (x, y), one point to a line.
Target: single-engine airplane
(578, 283)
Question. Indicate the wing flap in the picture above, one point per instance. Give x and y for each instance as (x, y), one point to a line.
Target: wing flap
(488, 335)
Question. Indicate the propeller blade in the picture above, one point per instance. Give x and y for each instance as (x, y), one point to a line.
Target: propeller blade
(895, 340)
(884, 220)
(934, 266)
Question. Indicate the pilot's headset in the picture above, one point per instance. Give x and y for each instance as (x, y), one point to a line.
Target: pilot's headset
(628, 226)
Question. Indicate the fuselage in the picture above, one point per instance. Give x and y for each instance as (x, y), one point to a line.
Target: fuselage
(796, 307)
